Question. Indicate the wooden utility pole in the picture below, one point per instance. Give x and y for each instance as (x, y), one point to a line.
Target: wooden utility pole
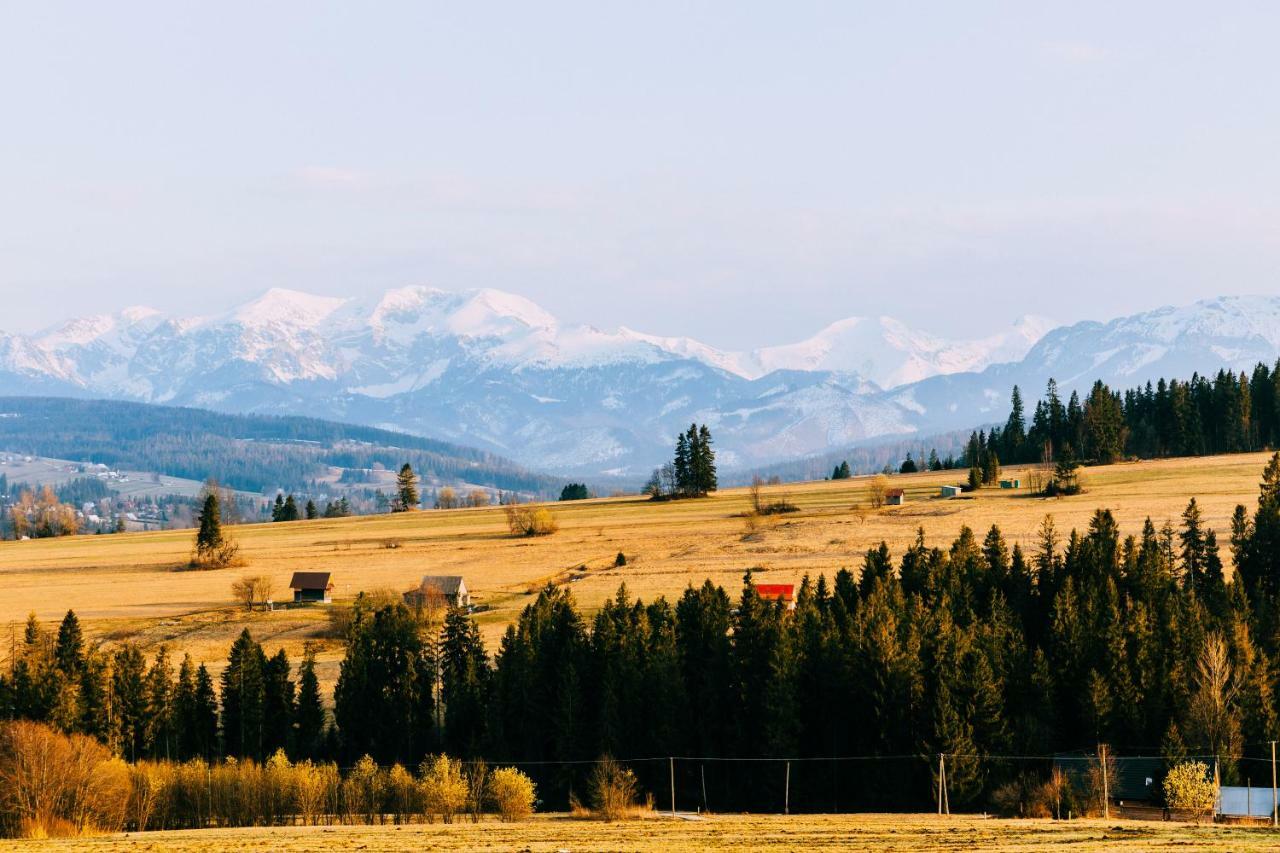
(1102, 757)
(672, 765)
(786, 795)
(940, 772)
(1273, 784)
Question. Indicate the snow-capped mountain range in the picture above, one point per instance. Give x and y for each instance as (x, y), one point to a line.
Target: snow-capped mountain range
(494, 370)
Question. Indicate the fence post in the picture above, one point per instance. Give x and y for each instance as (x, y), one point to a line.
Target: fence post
(786, 796)
(672, 764)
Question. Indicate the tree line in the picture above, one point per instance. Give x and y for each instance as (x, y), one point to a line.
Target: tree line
(975, 649)
(692, 471)
(1205, 415)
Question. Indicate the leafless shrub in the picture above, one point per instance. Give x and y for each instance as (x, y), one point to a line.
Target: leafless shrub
(55, 784)
(526, 520)
(878, 490)
(613, 790)
(252, 590)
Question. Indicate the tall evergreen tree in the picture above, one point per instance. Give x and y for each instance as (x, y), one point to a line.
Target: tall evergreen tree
(407, 497)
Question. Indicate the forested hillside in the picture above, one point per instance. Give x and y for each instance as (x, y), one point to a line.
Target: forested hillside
(249, 452)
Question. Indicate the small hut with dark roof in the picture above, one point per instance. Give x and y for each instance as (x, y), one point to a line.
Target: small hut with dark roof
(311, 587)
(452, 589)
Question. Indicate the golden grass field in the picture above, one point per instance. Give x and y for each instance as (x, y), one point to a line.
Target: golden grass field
(719, 832)
(126, 586)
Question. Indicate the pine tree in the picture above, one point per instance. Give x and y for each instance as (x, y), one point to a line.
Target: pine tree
(706, 463)
(309, 714)
(204, 718)
(464, 685)
(161, 724)
(242, 699)
(383, 701)
(312, 512)
(289, 512)
(682, 463)
(277, 704)
(277, 510)
(407, 498)
(184, 708)
(214, 549)
(69, 650)
(129, 701)
(91, 698)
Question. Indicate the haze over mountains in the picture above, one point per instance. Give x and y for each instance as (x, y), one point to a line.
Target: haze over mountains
(493, 370)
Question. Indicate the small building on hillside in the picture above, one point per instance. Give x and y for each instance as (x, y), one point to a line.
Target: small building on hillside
(451, 589)
(311, 588)
(895, 497)
(951, 491)
(784, 592)
(1011, 483)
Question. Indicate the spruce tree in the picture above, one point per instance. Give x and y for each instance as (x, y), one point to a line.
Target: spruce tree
(277, 509)
(92, 698)
(214, 549)
(129, 701)
(242, 699)
(683, 464)
(69, 650)
(312, 512)
(204, 718)
(161, 723)
(277, 704)
(704, 460)
(407, 498)
(289, 512)
(309, 715)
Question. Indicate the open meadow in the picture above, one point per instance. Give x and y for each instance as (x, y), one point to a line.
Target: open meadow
(128, 586)
(720, 832)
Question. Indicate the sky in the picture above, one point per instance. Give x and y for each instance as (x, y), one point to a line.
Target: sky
(743, 173)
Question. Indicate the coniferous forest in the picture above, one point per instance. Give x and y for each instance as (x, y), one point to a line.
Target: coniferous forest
(1226, 413)
(997, 657)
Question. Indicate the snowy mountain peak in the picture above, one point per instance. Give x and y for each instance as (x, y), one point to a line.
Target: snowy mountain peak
(284, 307)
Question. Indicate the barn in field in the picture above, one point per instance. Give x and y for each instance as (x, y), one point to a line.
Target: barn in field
(311, 588)
(451, 589)
(895, 497)
(784, 592)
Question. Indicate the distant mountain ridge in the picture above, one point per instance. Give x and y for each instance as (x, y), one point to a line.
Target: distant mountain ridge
(493, 370)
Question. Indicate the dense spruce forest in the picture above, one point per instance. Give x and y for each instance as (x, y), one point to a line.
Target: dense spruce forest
(248, 452)
(1202, 416)
(997, 657)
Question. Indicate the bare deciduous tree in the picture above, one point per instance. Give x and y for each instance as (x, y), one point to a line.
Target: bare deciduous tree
(879, 489)
(252, 590)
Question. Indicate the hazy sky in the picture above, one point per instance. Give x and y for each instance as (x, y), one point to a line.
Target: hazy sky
(740, 172)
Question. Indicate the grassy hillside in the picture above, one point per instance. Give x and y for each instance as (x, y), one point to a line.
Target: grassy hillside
(126, 586)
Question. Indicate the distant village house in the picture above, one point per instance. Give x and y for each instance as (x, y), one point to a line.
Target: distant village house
(452, 589)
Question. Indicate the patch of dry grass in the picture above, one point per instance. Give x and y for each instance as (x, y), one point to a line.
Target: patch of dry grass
(727, 832)
(124, 585)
